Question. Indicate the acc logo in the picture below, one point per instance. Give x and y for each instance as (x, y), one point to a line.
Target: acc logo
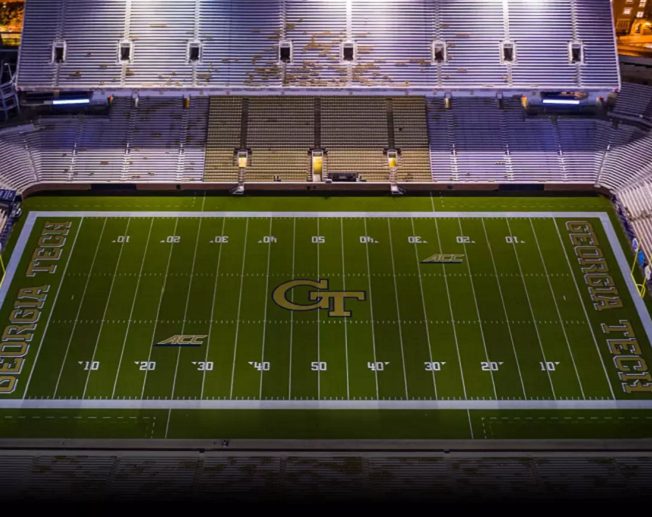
(444, 259)
(182, 341)
(334, 301)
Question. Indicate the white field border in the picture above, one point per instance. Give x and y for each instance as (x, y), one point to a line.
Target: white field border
(612, 237)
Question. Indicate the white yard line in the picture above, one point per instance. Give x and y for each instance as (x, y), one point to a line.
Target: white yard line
(158, 310)
(210, 327)
(167, 425)
(371, 308)
(106, 307)
(237, 324)
(324, 215)
(328, 404)
(468, 414)
(56, 297)
(561, 319)
(586, 314)
(81, 304)
(477, 309)
(17, 255)
(294, 235)
(502, 299)
(398, 309)
(185, 312)
(133, 306)
(346, 329)
(423, 304)
(262, 355)
(450, 307)
(534, 318)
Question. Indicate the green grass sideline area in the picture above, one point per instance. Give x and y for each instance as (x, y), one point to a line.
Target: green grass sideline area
(284, 317)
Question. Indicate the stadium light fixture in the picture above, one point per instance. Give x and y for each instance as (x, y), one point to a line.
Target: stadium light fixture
(69, 102)
(562, 102)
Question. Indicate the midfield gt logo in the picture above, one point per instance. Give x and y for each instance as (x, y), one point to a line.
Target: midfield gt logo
(333, 301)
(182, 341)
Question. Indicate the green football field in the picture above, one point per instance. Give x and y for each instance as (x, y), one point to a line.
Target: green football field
(209, 317)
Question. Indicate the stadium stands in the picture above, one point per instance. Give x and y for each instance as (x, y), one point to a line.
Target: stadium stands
(635, 100)
(533, 147)
(280, 135)
(391, 41)
(18, 168)
(154, 142)
(638, 204)
(157, 140)
(223, 139)
(476, 141)
(354, 133)
(579, 148)
(185, 476)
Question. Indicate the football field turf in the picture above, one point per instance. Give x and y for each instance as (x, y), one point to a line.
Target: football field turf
(254, 315)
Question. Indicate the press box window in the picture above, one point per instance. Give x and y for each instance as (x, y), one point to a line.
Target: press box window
(125, 51)
(285, 51)
(59, 52)
(439, 52)
(507, 52)
(576, 52)
(194, 51)
(348, 51)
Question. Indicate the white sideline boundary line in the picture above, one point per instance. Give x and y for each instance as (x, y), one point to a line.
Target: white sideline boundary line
(612, 237)
(16, 257)
(325, 404)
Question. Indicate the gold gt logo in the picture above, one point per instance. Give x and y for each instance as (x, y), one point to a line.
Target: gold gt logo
(182, 341)
(333, 301)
